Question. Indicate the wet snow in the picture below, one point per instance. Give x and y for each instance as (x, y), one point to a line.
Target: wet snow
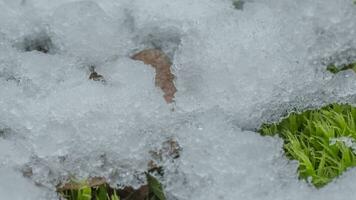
(235, 69)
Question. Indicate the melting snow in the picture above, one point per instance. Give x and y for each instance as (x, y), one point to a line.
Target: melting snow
(234, 70)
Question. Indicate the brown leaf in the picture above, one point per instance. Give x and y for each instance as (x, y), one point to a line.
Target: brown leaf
(128, 193)
(164, 77)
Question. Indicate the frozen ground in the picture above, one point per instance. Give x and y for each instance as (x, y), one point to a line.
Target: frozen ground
(235, 69)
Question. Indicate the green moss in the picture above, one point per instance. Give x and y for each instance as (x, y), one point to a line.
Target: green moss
(322, 140)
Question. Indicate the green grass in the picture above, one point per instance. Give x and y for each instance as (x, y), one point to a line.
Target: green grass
(86, 192)
(82, 190)
(238, 4)
(335, 69)
(322, 140)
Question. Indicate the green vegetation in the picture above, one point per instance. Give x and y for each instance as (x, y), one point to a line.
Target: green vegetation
(87, 190)
(155, 190)
(238, 4)
(322, 140)
(335, 69)
(5, 132)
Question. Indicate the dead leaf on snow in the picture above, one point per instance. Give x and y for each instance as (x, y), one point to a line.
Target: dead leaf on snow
(162, 64)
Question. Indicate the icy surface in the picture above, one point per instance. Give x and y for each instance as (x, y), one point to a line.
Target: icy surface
(234, 70)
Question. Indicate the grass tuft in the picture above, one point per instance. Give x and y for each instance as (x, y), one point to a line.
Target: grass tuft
(238, 4)
(84, 191)
(98, 189)
(322, 140)
(335, 69)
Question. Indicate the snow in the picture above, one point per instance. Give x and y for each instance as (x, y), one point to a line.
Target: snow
(235, 69)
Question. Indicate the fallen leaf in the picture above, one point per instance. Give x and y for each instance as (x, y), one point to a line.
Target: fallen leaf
(162, 64)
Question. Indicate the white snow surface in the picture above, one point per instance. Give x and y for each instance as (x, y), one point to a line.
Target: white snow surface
(235, 69)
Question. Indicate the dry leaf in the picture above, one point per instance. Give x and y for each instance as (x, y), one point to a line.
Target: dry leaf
(164, 77)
